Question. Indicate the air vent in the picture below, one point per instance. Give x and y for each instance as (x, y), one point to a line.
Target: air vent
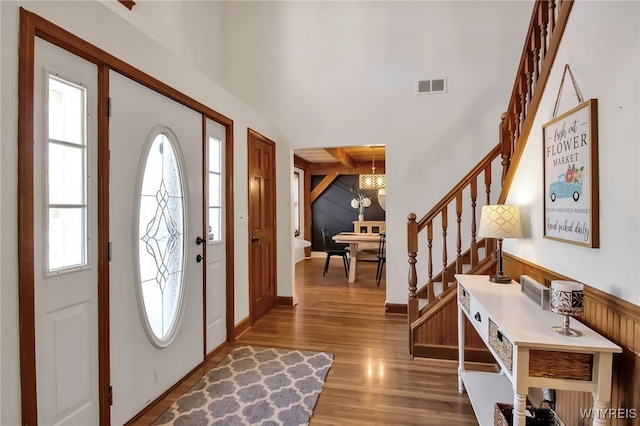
(426, 87)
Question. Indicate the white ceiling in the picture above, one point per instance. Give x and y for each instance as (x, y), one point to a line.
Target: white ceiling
(344, 73)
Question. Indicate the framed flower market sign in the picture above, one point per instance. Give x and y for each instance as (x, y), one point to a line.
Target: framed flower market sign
(571, 176)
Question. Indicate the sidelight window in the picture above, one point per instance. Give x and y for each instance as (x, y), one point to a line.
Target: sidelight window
(214, 183)
(66, 177)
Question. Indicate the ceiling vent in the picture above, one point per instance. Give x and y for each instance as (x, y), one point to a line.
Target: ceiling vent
(426, 87)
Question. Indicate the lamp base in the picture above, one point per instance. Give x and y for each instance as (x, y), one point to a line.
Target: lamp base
(500, 279)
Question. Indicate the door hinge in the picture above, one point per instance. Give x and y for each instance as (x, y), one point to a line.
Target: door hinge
(109, 251)
(110, 395)
(109, 107)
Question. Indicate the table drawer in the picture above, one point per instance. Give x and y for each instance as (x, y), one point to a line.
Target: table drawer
(501, 345)
(463, 298)
(479, 318)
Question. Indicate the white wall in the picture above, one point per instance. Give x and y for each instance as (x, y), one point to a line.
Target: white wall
(1, 235)
(98, 24)
(191, 30)
(343, 73)
(602, 45)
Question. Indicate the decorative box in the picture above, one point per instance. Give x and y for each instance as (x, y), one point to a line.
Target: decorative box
(535, 291)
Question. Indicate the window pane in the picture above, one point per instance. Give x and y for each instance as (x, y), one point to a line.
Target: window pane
(215, 231)
(66, 111)
(214, 190)
(161, 231)
(214, 155)
(66, 237)
(66, 174)
(296, 202)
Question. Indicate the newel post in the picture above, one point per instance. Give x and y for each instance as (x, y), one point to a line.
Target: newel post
(505, 141)
(412, 250)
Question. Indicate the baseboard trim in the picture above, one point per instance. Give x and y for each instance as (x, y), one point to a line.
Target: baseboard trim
(242, 327)
(451, 353)
(395, 308)
(284, 300)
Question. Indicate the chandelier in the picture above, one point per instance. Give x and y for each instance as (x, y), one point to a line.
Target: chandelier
(372, 181)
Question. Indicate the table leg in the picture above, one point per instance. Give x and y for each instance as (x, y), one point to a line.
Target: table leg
(599, 407)
(460, 348)
(602, 394)
(353, 256)
(519, 409)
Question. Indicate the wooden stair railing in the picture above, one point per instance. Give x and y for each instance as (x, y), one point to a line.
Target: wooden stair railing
(453, 201)
(548, 21)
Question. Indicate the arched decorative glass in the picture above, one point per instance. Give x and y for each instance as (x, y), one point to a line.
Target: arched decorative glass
(161, 239)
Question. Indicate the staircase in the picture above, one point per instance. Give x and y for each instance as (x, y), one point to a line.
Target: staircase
(446, 235)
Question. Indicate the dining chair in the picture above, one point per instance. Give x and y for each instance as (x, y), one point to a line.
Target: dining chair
(332, 251)
(382, 256)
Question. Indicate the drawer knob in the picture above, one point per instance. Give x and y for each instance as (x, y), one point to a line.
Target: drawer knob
(478, 317)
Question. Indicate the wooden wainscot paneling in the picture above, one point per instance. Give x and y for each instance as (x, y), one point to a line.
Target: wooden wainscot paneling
(614, 318)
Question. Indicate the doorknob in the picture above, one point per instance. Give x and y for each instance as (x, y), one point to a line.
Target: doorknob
(255, 239)
(199, 240)
(199, 258)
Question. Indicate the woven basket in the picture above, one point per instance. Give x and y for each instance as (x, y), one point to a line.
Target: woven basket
(463, 295)
(503, 416)
(560, 365)
(501, 344)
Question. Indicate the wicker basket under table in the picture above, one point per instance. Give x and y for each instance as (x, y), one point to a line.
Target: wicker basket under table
(503, 416)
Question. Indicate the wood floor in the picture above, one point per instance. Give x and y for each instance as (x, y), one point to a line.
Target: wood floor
(373, 380)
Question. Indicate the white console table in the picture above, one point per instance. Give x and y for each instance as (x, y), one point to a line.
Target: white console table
(518, 334)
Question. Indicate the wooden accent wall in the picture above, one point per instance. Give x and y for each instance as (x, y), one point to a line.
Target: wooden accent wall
(612, 317)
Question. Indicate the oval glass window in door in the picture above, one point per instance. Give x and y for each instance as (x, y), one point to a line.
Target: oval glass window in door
(161, 240)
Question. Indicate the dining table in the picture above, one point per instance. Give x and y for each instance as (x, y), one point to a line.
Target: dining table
(355, 241)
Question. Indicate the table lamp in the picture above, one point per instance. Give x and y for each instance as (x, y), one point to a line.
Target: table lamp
(500, 221)
(566, 298)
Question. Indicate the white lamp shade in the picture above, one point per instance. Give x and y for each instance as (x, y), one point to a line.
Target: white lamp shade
(500, 221)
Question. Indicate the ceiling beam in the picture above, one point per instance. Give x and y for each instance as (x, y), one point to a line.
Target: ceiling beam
(362, 168)
(320, 188)
(301, 163)
(342, 156)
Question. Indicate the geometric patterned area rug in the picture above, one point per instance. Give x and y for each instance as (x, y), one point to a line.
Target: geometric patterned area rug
(254, 386)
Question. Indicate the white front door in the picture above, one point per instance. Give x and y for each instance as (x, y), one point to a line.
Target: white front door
(156, 204)
(66, 230)
(216, 324)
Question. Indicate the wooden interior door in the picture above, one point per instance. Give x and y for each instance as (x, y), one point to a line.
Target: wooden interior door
(262, 225)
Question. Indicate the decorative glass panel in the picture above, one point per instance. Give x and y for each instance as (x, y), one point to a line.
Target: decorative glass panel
(215, 190)
(161, 231)
(66, 177)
